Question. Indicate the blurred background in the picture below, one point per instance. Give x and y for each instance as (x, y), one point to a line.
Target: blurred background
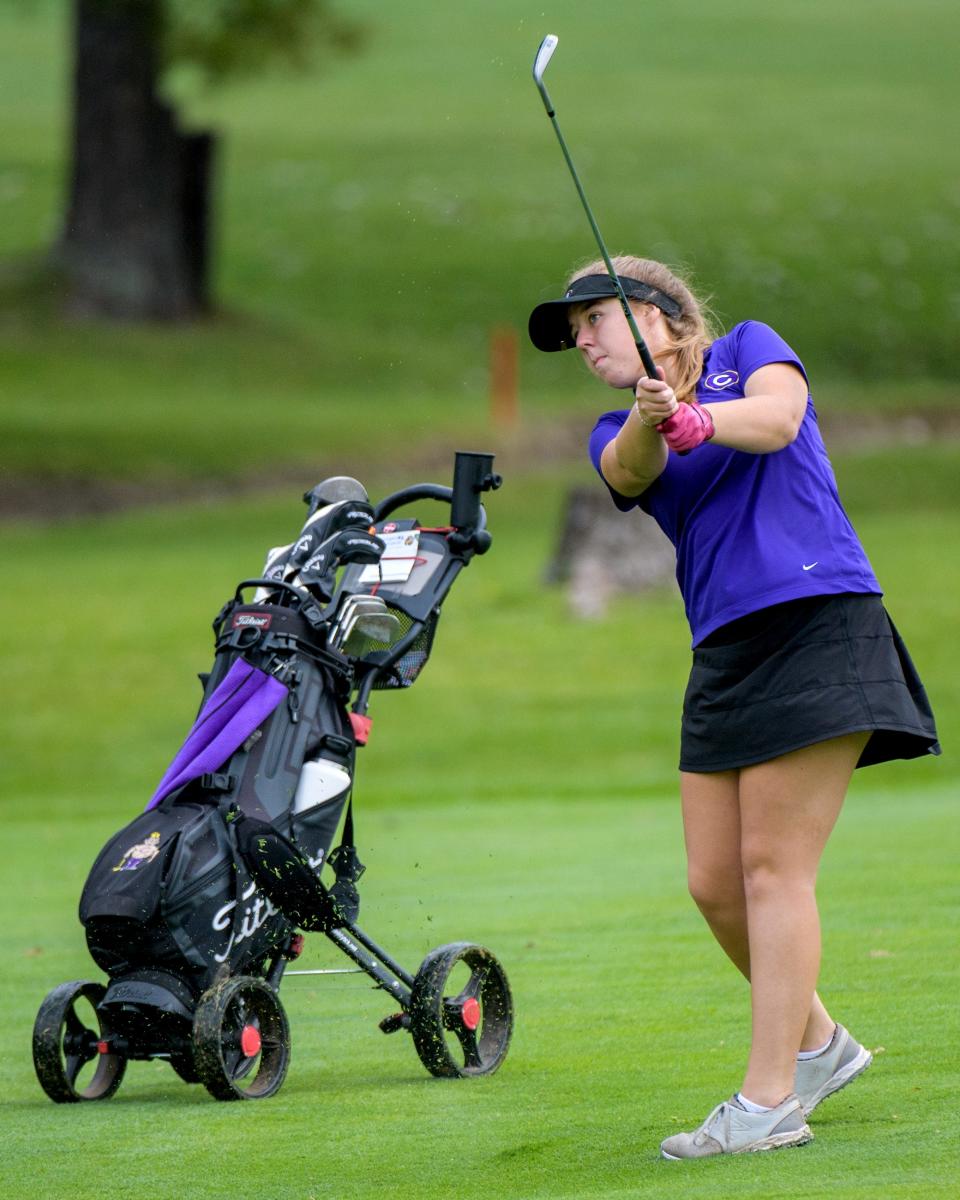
(245, 245)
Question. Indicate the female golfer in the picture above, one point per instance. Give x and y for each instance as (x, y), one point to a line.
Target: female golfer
(798, 674)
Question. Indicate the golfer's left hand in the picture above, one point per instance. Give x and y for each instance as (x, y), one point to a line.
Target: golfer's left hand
(689, 427)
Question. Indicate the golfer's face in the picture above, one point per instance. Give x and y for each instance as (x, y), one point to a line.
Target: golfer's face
(604, 339)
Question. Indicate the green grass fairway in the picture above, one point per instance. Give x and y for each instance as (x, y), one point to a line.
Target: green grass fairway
(629, 1024)
(521, 795)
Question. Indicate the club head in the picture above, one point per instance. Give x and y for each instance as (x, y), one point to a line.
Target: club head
(276, 562)
(343, 633)
(353, 607)
(370, 604)
(330, 491)
(544, 54)
(357, 546)
(344, 608)
(342, 514)
(367, 606)
(359, 606)
(371, 628)
(275, 567)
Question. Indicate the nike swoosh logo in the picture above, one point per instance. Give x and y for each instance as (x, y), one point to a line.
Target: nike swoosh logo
(812, 565)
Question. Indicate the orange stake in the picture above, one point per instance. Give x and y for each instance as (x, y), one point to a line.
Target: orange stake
(504, 405)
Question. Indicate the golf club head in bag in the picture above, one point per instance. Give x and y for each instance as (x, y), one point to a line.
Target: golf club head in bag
(363, 619)
(318, 573)
(334, 491)
(311, 552)
(351, 606)
(371, 627)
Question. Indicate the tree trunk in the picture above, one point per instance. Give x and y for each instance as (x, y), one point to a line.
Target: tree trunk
(602, 553)
(136, 240)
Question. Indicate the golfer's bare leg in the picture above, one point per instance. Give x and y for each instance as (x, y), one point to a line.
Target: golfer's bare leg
(788, 808)
(711, 830)
(711, 825)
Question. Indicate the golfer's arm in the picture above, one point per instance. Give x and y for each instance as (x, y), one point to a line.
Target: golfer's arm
(632, 460)
(769, 415)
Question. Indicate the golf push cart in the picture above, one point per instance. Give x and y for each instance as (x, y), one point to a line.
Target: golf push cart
(194, 909)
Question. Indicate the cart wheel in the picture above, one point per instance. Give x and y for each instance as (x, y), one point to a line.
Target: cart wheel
(70, 1045)
(461, 1011)
(241, 1040)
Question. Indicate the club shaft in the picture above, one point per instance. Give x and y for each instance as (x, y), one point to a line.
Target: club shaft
(642, 348)
(544, 54)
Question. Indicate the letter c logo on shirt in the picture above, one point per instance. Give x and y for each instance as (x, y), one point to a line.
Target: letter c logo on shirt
(721, 380)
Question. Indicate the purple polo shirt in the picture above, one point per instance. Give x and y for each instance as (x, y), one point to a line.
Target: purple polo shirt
(750, 530)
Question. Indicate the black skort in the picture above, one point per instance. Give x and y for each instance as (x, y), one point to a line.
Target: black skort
(799, 673)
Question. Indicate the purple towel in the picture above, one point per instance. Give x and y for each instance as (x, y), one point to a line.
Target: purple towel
(242, 702)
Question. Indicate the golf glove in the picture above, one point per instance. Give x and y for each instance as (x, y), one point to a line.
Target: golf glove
(689, 427)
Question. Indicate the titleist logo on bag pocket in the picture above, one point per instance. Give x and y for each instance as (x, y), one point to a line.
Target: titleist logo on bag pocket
(256, 620)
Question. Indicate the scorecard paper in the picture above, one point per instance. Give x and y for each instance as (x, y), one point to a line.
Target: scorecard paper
(398, 560)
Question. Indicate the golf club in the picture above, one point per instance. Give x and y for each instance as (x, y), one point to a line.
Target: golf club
(366, 615)
(544, 54)
(371, 627)
(351, 608)
(333, 490)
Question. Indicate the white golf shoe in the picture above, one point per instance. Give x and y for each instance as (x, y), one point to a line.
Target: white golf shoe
(730, 1129)
(842, 1061)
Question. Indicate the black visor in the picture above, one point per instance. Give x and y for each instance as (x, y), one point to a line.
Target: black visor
(549, 324)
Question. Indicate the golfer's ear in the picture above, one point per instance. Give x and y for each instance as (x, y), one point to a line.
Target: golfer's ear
(646, 312)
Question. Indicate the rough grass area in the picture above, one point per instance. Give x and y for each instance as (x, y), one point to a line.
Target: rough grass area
(120, 613)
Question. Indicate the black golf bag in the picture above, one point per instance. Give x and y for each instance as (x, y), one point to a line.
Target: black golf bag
(193, 909)
(181, 886)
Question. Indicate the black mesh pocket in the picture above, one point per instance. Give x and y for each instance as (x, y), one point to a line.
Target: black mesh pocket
(406, 669)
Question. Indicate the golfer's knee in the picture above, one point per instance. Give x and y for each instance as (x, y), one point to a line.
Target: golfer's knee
(767, 875)
(714, 892)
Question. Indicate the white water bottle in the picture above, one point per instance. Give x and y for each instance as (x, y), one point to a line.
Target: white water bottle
(321, 779)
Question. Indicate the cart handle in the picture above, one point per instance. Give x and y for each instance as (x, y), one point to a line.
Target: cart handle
(407, 495)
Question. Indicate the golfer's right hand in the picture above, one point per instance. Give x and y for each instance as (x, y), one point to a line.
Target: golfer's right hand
(655, 399)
